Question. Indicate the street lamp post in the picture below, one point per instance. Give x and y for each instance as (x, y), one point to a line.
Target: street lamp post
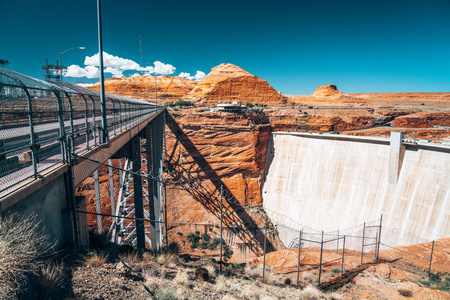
(60, 60)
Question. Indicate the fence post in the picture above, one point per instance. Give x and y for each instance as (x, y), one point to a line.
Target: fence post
(265, 240)
(320, 261)
(379, 237)
(362, 245)
(111, 186)
(221, 220)
(337, 244)
(376, 243)
(431, 258)
(299, 253)
(343, 254)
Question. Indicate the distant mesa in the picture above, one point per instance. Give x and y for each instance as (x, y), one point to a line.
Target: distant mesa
(228, 82)
(143, 87)
(328, 90)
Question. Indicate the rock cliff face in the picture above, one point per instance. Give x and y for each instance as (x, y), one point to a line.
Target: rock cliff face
(229, 82)
(143, 87)
(207, 152)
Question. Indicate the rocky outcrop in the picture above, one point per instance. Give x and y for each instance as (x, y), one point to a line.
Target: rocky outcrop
(328, 90)
(423, 120)
(168, 88)
(228, 82)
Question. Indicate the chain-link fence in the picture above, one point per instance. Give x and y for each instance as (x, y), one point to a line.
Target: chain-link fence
(111, 210)
(42, 121)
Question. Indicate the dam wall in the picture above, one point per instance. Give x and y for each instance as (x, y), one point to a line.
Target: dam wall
(335, 182)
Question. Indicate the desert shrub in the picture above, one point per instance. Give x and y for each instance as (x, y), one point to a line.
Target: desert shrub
(95, 259)
(133, 259)
(405, 292)
(436, 281)
(227, 254)
(23, 247)
(51, 282)
(287, 281)
(169, 259)
(173, 248)
(311, 293)
(334, 296)
(165, 294)
(206, 237)
(334, 271)
(181, 278)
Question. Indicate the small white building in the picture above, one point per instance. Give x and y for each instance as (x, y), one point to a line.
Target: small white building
(231, 107)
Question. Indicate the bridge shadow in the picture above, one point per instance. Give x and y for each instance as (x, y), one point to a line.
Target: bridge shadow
(194, 179)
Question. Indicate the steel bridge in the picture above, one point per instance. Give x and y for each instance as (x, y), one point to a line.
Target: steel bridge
(46, 127)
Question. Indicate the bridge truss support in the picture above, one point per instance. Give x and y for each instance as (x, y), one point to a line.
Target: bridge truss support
(139, 202)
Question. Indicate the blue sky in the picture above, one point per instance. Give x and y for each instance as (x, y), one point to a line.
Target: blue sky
(361, 46)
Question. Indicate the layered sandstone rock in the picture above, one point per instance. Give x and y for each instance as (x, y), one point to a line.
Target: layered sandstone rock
(168, 88)
(423, 120)
(228, 82)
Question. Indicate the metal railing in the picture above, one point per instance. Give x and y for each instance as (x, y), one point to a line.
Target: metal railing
(42, 121)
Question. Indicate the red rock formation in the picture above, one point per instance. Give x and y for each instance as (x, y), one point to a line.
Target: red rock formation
(143, 87)
(423, 120)
(229, 82)
(328, 90)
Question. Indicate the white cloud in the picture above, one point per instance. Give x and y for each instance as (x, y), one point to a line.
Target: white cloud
(186, 75)
(116, 66)
(111, 61)
(117, 73)
(85, 84)
(159, 68)
(77, 71)
(199, 76)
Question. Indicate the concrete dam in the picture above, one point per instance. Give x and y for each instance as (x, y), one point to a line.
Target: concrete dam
(336, 182)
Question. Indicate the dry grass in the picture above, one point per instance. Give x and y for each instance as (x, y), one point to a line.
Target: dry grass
(229, 297)
(251, 291)
(23, 246)
(169, 260)
(182, 278)
(221, 284)
(133, 259)
(311, 293)
(51, 281)
(334, 296)
(95, 259)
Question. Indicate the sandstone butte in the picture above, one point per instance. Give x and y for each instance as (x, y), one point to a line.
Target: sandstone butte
(227, 82)
(328, 90)
(168, 88)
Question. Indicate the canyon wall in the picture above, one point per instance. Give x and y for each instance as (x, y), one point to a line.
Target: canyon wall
(335, 182)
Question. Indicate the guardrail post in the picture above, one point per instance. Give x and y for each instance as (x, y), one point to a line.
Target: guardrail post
(62, 132)
(33, 146)
(86, 123)
(71, 124)
(111, 186)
